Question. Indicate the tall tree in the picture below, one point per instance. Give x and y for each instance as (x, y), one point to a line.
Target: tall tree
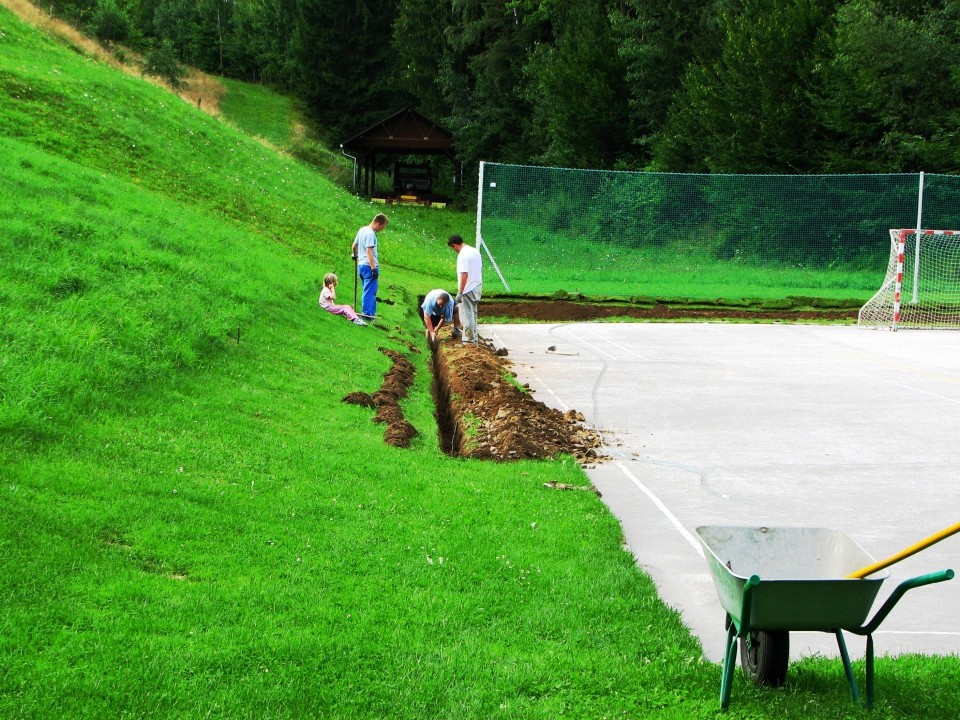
(749, 110)
(481, 77)
(420, 48)
(175, 20)
(344, 63)
(257, 47)
(658, 40)
(207, 39)
(888, 95)
(577, 88)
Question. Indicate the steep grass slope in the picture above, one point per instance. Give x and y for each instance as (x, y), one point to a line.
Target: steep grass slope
(111, 183)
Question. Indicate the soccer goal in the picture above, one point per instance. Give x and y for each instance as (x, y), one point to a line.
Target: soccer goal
(922, 286)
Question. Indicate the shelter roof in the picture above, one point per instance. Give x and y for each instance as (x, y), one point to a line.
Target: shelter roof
(406, 132)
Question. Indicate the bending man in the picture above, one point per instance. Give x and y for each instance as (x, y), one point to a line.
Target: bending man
(437, 310)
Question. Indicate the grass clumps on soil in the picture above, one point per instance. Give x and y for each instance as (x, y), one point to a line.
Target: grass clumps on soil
(396, 383)
(669, 310)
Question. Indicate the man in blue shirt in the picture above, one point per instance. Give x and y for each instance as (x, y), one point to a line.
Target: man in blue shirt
(368, 262)
(437, 310)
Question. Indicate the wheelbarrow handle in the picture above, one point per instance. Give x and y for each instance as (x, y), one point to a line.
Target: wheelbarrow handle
(898, 593)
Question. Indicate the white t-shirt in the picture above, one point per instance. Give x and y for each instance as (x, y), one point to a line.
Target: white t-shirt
(469, 261)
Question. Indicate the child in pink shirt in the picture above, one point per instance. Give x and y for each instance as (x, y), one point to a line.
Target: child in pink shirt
(328, 299)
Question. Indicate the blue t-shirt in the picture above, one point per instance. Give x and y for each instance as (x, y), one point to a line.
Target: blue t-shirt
(366, 237)
(430, 306)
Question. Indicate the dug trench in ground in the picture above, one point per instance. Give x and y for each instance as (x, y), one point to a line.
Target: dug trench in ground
(481, 413)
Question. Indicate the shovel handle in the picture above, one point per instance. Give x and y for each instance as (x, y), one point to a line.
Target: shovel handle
(912, 550)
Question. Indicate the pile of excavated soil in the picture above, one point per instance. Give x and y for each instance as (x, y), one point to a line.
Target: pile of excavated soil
(491, 417)
(386, 400)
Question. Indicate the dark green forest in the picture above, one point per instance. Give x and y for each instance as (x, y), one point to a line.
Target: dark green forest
(718, 86)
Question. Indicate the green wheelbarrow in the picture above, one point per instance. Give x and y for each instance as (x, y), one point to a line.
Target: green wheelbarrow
(773, 580)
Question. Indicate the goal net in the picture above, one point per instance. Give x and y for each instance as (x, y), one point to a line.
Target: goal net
(922, 285)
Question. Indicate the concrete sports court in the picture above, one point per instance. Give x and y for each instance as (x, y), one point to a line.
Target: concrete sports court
(838, 427)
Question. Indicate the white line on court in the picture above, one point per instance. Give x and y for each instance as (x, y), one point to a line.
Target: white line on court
(561, 403)
(905, 386)
(584, 342)
(905, 368)
(563, 406)
(878, 378)
(580, 338)
(684, 533)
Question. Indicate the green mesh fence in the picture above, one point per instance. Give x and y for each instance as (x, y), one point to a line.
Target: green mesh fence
(557, 231)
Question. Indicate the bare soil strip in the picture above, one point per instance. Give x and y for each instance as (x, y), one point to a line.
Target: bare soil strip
(396, 382)
(491, 417)
(571, 311)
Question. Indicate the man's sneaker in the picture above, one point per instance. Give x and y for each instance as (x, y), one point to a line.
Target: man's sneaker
(456, 333)
(359, 321)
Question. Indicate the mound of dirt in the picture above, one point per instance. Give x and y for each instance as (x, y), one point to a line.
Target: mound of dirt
(386, 400)
(491, 417)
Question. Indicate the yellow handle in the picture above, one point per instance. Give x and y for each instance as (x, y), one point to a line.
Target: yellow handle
(923, 544)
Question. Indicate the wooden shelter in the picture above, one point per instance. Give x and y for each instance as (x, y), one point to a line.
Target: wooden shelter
(405, 133)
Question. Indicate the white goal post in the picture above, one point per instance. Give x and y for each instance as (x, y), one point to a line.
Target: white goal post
(922, 285)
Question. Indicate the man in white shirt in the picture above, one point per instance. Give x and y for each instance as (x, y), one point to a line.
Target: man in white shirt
(469, 286)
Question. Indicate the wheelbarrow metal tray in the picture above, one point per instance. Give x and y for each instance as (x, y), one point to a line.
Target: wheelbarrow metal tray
(801, 571)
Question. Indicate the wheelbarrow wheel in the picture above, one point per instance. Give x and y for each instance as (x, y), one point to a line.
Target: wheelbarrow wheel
(764, 656)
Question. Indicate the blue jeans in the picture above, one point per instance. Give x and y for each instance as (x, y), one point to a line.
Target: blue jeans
(368, 298)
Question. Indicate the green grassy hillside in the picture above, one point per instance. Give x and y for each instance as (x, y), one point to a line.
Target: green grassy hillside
(192, 523)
